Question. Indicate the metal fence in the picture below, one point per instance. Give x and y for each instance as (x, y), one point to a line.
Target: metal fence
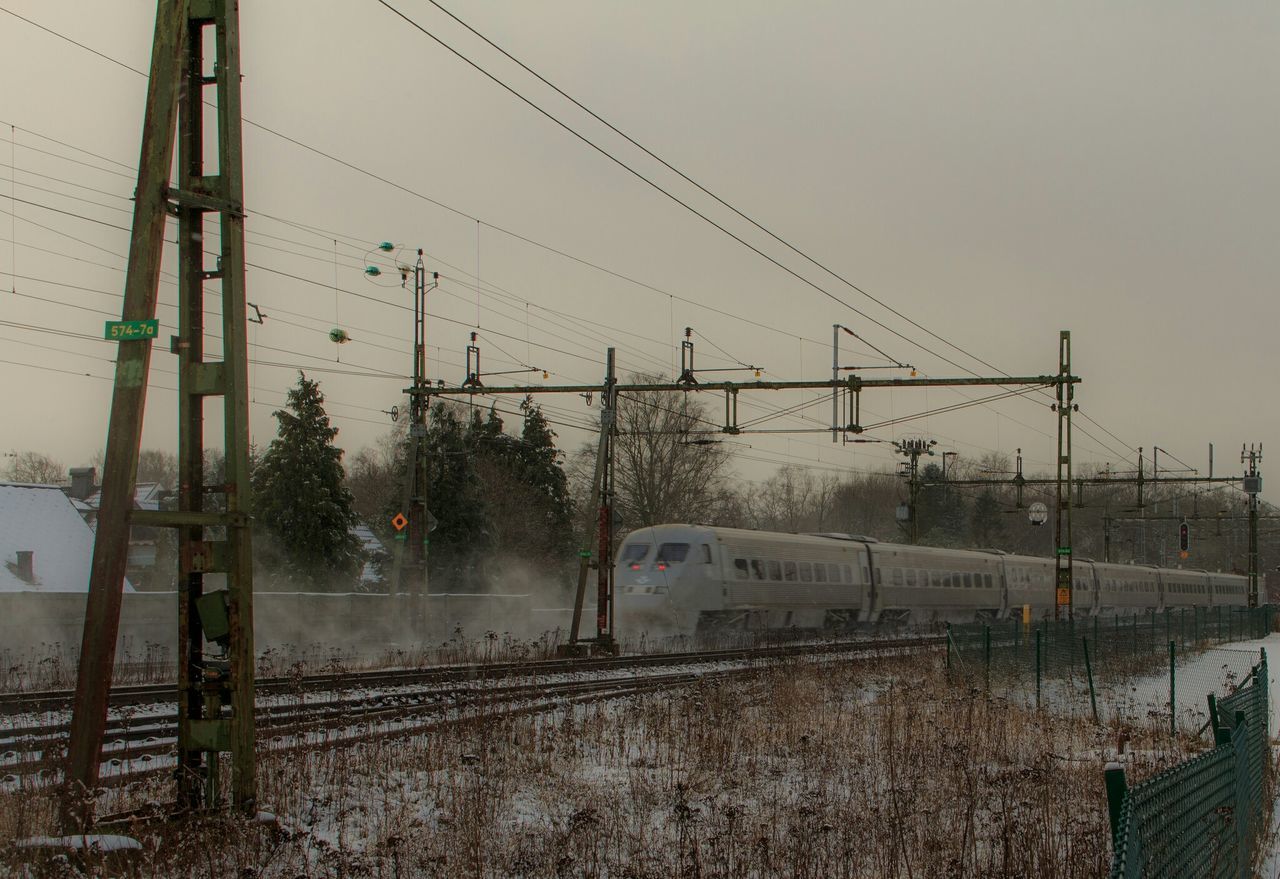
(1205, 816)
(1153, 667)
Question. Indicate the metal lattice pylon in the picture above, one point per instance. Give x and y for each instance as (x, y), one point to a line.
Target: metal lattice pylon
(215, 690)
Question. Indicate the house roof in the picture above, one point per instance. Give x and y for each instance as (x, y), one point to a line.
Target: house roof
(146, 496)
(42, 520)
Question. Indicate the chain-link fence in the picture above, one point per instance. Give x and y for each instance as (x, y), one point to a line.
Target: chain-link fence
(1151, 667)
(1205, 816)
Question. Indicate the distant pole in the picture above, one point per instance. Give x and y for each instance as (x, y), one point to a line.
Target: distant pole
(1063, 549)
(835, 377)
(1253, 487)
(597, 502)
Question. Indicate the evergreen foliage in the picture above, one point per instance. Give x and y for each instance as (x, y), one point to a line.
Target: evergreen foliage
(496, 497)
(987, 521)
(456, 497)
(301, 503)
(941, 512)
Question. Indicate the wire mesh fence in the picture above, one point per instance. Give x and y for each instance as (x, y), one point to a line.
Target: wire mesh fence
(1205, 816)
(1155, 666)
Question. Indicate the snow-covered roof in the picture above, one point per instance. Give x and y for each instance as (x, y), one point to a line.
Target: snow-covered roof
(146, 496)
(40, 519)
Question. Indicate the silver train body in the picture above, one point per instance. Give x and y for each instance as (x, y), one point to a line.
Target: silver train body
(689, 578)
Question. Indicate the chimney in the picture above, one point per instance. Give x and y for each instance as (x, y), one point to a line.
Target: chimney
(82, 480)
(27, 565)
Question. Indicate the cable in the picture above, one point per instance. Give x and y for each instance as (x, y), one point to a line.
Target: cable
(497, 228)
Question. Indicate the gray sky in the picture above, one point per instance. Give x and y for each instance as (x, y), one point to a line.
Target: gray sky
(994, 171)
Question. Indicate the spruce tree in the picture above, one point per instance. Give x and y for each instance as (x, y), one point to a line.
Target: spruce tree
(455, 496)
(541, 469)
(301, 503)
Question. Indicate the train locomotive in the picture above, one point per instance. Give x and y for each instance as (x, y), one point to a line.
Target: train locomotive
(686, 579)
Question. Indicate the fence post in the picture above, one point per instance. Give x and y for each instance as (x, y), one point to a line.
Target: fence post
(986, 646)
(1221, 735)
(1037, 669)
(1114, 775)
(1244, 813)
(1173, 705)
(1088, 670)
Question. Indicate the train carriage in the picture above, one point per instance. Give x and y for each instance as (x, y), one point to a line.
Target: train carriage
(1186, 588)
(688, 578)
(921, 583)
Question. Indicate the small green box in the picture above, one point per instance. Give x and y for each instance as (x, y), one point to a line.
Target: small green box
(215, 617)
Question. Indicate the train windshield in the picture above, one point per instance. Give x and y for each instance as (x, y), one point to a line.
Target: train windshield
(671, 554)
(633, 554)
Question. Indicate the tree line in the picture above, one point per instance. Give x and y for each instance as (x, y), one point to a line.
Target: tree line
(512, 507)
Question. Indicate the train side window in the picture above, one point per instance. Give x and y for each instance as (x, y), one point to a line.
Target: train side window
(789, 571)
(833, 572)
(968, 581)
(988, 581)
(819, 572)
(897, 576)
(911, 576)
(879, 576)
(740, 569)
(706, 554)
(806, 572)
(775, 570)
(757, 569)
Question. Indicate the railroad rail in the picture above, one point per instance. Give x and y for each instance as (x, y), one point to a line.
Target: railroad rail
(362, 706)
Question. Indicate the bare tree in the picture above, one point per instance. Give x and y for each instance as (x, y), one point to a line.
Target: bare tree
(157, 465)
(36, 467)
(375, 475)
(664, 471)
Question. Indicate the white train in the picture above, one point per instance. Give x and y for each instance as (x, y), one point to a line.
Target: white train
(689, 578)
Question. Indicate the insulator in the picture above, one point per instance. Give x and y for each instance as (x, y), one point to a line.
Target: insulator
(372, 271)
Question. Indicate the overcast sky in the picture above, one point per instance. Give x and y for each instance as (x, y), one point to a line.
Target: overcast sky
(995, 172)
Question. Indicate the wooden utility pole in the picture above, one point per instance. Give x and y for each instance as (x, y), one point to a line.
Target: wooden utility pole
(215, 691)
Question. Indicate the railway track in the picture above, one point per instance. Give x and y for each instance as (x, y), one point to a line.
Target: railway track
(345, 709)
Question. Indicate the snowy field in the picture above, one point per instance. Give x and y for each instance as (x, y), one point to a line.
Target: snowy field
(808, 769)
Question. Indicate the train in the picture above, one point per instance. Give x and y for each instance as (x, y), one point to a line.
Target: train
(701, 579)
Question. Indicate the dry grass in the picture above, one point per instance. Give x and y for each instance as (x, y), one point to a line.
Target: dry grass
(805, 770)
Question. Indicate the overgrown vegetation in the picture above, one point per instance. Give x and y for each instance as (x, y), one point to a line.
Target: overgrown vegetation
(807, 770)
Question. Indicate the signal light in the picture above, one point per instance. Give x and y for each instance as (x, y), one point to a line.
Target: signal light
(1184, 537)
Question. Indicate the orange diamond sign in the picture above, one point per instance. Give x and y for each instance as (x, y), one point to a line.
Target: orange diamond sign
(399, 521)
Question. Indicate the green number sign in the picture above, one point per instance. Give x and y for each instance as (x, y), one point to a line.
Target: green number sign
(130, 330)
